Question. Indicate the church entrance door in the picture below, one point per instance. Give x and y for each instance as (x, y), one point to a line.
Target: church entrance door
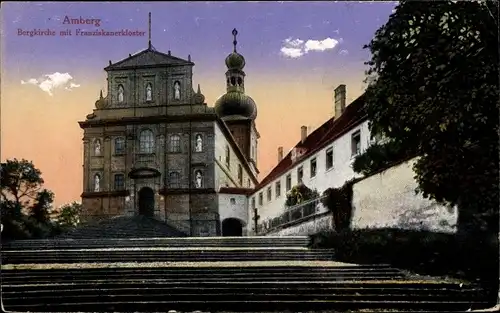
(146, 202)
(232, 227)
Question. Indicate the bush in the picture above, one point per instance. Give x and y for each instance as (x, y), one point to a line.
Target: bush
(339, 202)
(380, 156)
(423, 252)
(299, 194)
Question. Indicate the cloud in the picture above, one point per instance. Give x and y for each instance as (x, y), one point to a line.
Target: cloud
(295, 48)
(343, 52)
(50, 82)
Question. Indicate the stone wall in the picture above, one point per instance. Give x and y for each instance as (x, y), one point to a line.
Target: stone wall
(315, 224)
(388, 199)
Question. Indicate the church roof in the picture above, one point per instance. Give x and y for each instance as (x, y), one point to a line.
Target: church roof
(324, 135)
(148, 58)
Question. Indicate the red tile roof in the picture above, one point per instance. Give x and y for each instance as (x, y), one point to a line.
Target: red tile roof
(332, 129)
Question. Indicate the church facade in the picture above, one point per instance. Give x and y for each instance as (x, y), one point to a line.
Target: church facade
(153, 147)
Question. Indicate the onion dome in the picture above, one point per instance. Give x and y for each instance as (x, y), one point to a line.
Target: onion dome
(236, 104)
(235, 61)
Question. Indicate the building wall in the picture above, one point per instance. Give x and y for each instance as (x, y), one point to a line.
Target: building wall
(324, 179)
(388, 199)
(228, 176)
(233, 206)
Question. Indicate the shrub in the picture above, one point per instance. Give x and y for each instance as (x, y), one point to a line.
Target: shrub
(423, 252)
(339, 202)
(380, 156)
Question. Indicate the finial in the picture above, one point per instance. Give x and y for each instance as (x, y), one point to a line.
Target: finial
(169, 52)
(110, 62)
(100, 95)
(235, 32)
(189, 57)
(199, 89)
(149, 33)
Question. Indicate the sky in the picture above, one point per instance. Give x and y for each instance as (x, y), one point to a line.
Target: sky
(296, 54)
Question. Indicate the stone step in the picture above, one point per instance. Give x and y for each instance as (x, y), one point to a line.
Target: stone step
(157, 242)
(241, 305)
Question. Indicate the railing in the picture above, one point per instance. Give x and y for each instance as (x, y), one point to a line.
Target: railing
(292, 215)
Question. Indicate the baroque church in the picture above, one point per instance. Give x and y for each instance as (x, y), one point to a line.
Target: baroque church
(153, 147)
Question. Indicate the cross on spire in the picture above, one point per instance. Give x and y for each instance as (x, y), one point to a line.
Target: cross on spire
(235, 32)
(149, 31)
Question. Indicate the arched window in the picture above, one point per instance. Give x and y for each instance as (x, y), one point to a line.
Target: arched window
(146, 141)
(175, 143)
(174, 178)
(121, 93)
(119, 145)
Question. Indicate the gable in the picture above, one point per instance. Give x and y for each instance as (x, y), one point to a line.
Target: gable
(148, 58)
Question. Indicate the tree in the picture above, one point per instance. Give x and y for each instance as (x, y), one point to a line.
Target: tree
(20, 182)
(41, 208)
(435, 92)
(69, 214)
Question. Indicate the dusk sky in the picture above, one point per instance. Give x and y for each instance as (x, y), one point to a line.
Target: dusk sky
(296, 54)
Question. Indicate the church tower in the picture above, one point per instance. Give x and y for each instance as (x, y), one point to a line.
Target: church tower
(237, 109)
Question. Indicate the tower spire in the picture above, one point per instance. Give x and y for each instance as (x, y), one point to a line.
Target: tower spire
(235, 32)
(149, 32)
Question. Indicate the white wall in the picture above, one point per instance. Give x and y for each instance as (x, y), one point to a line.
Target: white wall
(324, 179)
(388, 199)
(221, 179)
(236, 210)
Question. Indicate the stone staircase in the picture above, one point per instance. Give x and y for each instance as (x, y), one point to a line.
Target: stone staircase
(214, 274)
(138, 226)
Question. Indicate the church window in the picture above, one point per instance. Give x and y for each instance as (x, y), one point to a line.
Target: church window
(149, 92)
(269, 194)
(121, 93)
(228, 157)
(146, 141)
(261, 199)
(119, 145)
(240, 175)
(119, 181)
(175, 144)
(174, 179)
(288, 182)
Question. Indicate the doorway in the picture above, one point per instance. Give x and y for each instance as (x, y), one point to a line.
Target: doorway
(146, 202)
(232, 227)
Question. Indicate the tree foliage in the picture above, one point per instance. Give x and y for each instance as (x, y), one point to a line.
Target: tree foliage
(436, 92)
(299, 194)
(69, 215)
(24, 203)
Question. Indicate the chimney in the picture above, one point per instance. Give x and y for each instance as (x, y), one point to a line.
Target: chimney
(303, 133)
(280, 154)
(340, 96)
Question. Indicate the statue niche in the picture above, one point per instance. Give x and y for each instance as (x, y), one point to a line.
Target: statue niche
(198, 179)
(199, 143)
(149, 92)
(177, 90)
